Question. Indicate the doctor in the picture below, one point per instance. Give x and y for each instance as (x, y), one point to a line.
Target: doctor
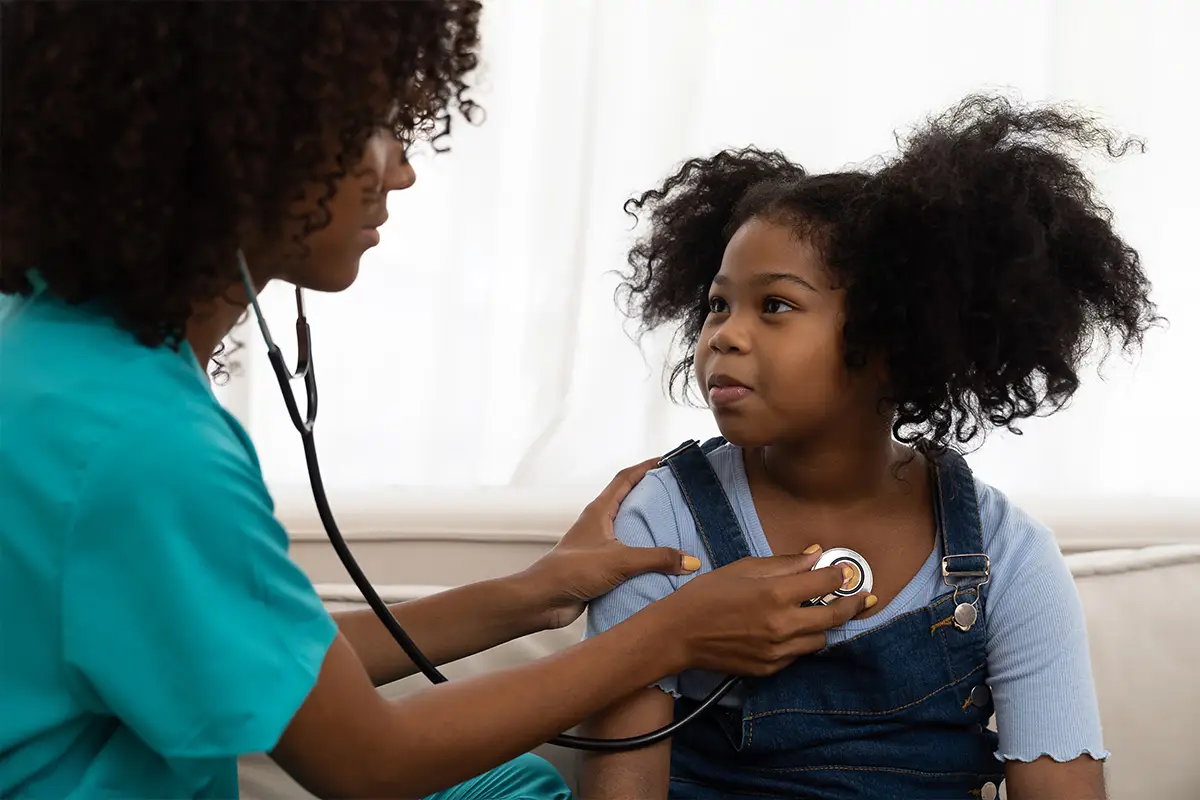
(154, 627)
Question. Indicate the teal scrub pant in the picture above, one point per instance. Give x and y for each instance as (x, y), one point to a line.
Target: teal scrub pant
(525, 778)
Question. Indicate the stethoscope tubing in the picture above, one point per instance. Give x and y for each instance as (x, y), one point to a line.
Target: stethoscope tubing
(304, 425)
(430, 670)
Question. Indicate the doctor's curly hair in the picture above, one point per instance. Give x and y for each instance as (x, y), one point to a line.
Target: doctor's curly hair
(978, 264)
(137, 137)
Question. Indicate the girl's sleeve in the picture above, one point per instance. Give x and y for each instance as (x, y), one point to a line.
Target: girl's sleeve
(183, 615)
(646, 519)
(1038, 657)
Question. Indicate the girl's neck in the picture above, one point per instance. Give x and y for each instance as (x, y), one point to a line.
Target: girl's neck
(833, 471)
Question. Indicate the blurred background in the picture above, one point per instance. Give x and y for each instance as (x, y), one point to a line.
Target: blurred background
(479, 376)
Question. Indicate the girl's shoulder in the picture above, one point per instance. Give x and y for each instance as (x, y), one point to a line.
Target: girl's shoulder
(656, 512)
(1023, 551)
(1006, 524)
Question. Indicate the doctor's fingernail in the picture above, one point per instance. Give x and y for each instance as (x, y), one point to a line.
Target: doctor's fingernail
(690, 563)
(847, 575)
(871, 600)
(812, 549)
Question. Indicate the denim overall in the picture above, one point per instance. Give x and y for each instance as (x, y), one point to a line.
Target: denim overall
(895, 713)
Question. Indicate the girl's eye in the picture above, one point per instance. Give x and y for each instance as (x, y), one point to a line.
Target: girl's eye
(773, 305)
(717, 305)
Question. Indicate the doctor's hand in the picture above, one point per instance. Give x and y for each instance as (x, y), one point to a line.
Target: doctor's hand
(747, 618)
(589, 561)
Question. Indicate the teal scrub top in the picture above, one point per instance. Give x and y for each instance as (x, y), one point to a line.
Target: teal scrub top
(153, 626)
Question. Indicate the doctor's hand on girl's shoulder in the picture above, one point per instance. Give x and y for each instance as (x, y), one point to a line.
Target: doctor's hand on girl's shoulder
(589, 561)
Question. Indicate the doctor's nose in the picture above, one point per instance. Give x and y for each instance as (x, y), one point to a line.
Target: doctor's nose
(400, 177)
(398, 173)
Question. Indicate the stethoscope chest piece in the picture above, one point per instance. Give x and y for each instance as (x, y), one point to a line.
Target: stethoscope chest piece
(844, 556)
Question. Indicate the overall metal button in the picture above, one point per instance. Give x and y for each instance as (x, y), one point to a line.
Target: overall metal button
(965, 615)
(989, 791)
(980, 695)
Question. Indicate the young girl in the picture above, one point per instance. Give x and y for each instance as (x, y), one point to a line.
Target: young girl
(848, 330)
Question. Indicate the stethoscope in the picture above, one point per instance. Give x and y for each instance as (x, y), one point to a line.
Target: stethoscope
(304, 425)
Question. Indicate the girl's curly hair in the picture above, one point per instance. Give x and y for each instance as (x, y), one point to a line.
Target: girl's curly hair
(137, 137)
(978, 264)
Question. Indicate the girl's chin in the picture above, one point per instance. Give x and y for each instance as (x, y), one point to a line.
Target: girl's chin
(738, 432)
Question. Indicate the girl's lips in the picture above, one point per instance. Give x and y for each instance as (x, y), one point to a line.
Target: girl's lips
(727, 395)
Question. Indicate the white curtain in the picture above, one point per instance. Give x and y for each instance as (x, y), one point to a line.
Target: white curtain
(479, 365)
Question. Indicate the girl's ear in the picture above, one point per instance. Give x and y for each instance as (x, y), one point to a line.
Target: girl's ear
(869, 371)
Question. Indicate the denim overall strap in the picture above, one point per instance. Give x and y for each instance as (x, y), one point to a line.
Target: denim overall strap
(966, 568)
(706, 499)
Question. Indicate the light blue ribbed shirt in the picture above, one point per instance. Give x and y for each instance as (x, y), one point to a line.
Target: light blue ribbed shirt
(1037, 645)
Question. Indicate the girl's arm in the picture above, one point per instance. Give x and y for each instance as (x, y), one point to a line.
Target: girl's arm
(637, 775)
(1039, 662)
(1047, 779)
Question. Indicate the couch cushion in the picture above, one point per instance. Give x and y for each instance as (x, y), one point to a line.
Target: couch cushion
(1141, 608)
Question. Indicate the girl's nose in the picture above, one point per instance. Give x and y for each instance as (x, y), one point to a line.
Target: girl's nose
(729, 338)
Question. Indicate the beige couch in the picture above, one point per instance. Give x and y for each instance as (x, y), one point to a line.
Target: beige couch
(1141, 606)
